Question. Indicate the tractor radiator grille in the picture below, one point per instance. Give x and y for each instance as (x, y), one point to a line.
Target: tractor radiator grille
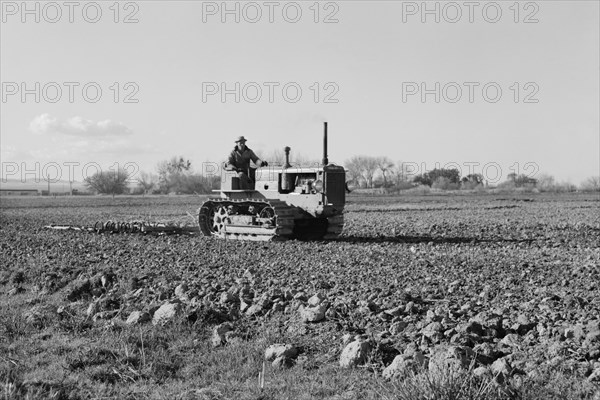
(335, 187)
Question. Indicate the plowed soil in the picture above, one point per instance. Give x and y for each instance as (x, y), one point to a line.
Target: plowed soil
(530, 260)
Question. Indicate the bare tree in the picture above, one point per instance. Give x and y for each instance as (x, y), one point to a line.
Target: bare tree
(384, 164)
(591, 184)
(362, 168)
(300, 160)
(274, 157)
(545, 182)
(172, 173)
(399, 173)
(369, 168)
(354, 168)
(147, 181)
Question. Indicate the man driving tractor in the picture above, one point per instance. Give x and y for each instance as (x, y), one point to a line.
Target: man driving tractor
(239, 161)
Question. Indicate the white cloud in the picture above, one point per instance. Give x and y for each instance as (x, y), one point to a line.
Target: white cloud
(77, 126)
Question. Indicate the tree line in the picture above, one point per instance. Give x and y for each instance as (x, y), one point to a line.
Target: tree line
(177, 176)
(380, 172)
(173, 176)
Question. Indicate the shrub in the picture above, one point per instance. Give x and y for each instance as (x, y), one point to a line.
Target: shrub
(108, 182)
(452, 176)
(420, 189)
(468, 185)
(444, 183)
(404, 186)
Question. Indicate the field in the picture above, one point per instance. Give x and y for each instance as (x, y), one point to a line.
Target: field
(471, 296)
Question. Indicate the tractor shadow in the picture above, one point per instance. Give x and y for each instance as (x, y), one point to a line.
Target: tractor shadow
(427, 239)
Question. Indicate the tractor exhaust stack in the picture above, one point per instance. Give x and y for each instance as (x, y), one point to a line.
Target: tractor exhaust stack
(325, 160)
(287, 164)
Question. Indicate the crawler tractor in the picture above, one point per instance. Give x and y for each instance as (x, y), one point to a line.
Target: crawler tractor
(286, 203)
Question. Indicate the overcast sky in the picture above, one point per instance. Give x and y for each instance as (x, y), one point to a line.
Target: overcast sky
(505, 84)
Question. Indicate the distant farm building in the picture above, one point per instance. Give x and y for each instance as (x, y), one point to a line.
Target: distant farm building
(19, 192)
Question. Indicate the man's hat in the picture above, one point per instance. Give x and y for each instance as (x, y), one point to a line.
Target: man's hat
(240, 139)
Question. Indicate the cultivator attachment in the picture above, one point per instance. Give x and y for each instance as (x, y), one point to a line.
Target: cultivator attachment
(131, 227)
